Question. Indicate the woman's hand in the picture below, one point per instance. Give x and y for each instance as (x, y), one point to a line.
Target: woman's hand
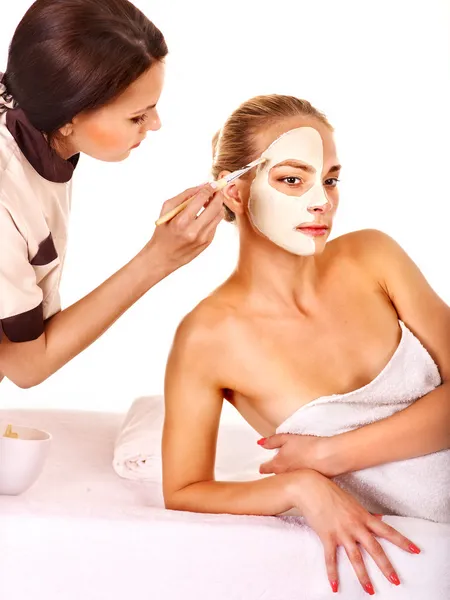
(183, 238)
(339, 520)
(301, 452)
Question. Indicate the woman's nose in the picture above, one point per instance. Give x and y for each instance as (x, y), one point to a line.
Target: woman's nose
(320, 203)
(320, 208)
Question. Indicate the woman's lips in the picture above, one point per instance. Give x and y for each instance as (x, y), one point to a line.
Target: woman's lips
(313, 230)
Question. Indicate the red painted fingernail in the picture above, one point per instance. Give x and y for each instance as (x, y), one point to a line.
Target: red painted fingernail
(394, 578)
(414, 549)
(262, 441)
(334, 586)
(369, 589)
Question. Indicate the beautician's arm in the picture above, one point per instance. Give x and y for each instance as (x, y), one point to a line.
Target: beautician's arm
(423, 427)
(193, 400)
(72, 330)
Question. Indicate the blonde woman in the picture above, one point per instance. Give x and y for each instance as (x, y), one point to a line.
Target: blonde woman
(300, 321)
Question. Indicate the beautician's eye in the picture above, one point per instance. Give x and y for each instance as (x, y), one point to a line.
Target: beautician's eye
(139, 120)
(291, 180)
(332, 182)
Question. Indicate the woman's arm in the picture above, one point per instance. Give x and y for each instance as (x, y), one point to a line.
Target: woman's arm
(193, 401)
(193, 405)
(423, 427)
(72, 330)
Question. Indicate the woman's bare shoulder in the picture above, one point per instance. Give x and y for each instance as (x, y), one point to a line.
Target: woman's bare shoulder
(208, 327)
(363, 247)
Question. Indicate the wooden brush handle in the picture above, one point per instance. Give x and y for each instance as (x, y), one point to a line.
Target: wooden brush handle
(221, 183)
(174, 212)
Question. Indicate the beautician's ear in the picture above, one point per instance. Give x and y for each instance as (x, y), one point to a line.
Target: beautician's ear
(233, 195)
(66, 130)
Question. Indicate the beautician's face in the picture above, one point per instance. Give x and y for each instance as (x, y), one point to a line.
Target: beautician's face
(111, 132)
(293, 196)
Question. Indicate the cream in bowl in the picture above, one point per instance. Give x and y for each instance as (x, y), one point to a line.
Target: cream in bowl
(23, 451)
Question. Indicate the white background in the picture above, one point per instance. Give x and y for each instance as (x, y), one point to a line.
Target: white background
(379, 70)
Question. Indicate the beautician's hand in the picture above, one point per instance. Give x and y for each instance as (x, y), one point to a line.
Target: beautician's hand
(299, 452)
(184, 237)
(339, 520)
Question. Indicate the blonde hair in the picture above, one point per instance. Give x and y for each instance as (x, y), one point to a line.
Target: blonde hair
(234, 144)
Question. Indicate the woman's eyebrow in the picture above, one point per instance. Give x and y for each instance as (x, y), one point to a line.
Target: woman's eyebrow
(334, 169)
(297, 164)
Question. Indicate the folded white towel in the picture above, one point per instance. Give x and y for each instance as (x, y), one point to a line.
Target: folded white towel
(418, 487)
(137, 452)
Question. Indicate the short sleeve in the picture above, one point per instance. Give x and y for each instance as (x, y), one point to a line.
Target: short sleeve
(21, 310)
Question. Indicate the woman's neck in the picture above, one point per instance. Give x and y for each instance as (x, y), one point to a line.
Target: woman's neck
(276, 278)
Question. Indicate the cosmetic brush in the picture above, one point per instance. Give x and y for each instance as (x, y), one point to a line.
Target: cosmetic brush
(220, 183)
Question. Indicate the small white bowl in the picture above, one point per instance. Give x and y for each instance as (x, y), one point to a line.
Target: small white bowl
(22, 458)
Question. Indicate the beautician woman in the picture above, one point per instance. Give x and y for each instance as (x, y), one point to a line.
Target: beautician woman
(82, 76)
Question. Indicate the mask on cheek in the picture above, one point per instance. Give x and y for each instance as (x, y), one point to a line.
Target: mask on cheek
(276, 215)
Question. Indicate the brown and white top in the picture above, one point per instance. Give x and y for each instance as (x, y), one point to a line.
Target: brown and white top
(35, 198)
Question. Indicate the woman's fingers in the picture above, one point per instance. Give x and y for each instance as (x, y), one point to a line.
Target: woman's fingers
(331, 565)
(355, 557)
(373, 547)
(385, 531)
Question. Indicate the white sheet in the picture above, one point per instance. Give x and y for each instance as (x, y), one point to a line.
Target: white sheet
(82, 533)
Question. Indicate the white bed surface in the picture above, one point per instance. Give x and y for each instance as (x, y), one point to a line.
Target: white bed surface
(82, 533)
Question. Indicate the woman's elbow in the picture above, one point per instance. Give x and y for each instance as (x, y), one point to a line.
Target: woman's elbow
(173, 501)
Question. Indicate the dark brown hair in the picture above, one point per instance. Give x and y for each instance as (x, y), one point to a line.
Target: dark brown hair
(70, 56)
(234, 145)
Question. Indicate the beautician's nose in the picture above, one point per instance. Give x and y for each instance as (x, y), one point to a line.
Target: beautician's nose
(154, 123)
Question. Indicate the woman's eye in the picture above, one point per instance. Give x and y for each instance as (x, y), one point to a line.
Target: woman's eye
(139, 120)
(292, 180)
(332, 182)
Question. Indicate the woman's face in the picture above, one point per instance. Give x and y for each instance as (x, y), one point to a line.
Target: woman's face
(111, 132)
(292, 198)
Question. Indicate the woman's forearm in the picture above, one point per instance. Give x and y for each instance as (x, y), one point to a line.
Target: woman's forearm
(269, 496)
(72, 330)
(422, 428)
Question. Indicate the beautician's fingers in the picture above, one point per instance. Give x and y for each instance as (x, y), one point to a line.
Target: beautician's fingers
(177, 200)
(385, 531)
(210, 229)
(213, 209)
(202, 198)
(355, 557)
(330, 549)
(373, 547)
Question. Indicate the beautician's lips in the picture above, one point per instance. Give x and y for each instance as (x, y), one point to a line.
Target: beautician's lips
(136, 145)
(313, 229)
